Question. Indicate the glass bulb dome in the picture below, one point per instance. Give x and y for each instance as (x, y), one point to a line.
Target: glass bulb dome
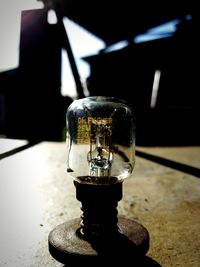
(100, 140)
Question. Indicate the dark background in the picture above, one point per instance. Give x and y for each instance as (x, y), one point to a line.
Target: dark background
(34, 107)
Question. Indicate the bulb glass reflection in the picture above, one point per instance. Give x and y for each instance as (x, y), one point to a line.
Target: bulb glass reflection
(100, 140)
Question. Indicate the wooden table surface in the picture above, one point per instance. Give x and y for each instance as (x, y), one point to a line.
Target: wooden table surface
(36, 194)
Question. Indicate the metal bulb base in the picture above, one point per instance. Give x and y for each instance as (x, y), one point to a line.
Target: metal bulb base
(99, 236)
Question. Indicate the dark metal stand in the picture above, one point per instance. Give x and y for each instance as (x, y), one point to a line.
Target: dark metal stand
(99, 236)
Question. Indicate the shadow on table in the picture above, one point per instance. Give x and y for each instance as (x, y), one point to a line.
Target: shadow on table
(170, 163)
(144, 262)
(117, 250)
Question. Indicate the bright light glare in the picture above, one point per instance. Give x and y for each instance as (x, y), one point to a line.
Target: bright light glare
(68, 86)
(10, 19)
(51, 17)
(155, 88)
(117, 46)
(83, 44)
(168, 27)
(161, 31)
(149, 37)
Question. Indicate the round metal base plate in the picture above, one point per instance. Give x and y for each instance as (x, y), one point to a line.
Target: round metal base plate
(66, 246)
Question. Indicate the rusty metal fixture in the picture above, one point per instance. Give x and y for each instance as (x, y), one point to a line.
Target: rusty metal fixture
(99, 235)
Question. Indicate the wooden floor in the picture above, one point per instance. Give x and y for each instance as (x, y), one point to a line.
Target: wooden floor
(36, 194)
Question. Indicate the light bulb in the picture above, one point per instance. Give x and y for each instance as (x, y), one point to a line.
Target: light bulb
(100, 140)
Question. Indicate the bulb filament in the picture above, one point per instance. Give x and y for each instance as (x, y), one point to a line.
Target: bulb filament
(100, 156)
